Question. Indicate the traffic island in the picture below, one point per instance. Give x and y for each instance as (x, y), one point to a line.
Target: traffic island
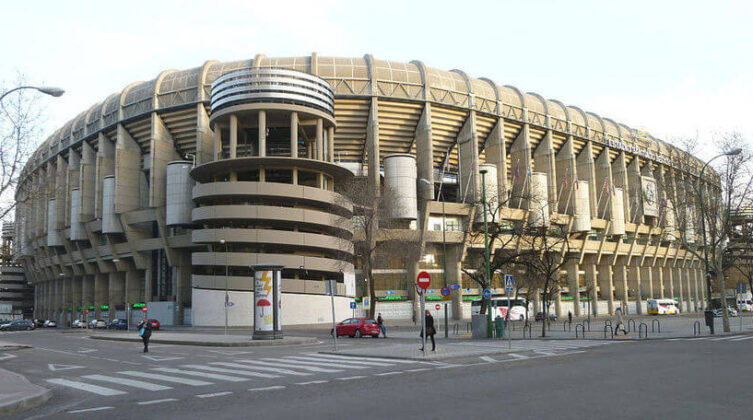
(17, 394)
(208, 340)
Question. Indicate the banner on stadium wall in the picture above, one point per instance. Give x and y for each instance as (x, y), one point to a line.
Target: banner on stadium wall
(650, 201)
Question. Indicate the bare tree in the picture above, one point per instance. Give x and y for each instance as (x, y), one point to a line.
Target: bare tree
(710, 207)
(20, 132)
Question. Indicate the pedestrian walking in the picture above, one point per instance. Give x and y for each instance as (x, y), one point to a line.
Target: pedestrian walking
(430, 331)
(380, 322)
(570, 317)
(145, 332)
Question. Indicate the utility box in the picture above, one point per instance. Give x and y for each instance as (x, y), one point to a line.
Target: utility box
(499, 327)
(478, 326)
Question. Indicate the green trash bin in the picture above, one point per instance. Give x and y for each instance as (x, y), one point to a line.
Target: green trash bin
(499, 327)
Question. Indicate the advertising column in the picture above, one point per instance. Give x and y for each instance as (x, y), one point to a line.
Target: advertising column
(267, 301)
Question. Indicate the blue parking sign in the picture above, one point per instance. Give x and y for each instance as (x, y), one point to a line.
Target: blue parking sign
(487, 294)
(352, 305)
(509, 283)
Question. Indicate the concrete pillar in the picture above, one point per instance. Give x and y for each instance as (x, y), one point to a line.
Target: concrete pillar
(606, 285)
(100, 293)
(455, 275)
(182, 292)
(587, 172)
(668, 283)
(294, 134)
(558, 302)
(217, 142)
(147, 291)
(688, 288)
(87, 294)
(604, 184)
(696, 290)
(425, 155)
(319, 140)
(635, 284)
(520, 156)
(589, 266)
(134, 285)
(331, 144)
(621, 283)
(116, 291)
(679, 289)
(262, 133)
(76, 296)
(544, 161)
(658, 272)
(573, 283)
(704, 289)
(233, 150)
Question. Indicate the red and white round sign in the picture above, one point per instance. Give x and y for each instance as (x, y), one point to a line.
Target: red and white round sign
(438, 306)
(423, 280)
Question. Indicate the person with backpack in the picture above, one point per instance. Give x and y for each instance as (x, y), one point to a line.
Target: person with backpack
(430, 331)
(380, 322)
(145, 332)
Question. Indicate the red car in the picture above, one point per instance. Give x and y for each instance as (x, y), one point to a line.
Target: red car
(358, 327)
(155, 324)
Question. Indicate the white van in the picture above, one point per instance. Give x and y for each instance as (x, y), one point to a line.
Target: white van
(499, 307)
(662, 307)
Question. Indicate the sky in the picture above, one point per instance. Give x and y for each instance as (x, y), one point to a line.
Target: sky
(673, 68)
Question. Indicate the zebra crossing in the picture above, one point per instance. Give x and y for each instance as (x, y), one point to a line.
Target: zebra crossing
(542, 346)
(728, 338)
(157, 379)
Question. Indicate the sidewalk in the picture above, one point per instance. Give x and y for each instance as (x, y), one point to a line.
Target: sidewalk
(16, 392)
(201, 339)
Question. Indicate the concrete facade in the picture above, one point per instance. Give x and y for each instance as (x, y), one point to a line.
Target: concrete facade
(270, 140)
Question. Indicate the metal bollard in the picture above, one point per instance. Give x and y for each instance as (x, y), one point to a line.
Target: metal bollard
(455, 329)
(588, 321)
(696, 328)
(658, 325)
(631, 320)
(641, 329)
(608, 322)
(528, 328)
(582, 331)
(567, 326)
(610, 330)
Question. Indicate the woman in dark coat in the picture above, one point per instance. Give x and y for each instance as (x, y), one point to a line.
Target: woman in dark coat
(147, 326)
(430, 331)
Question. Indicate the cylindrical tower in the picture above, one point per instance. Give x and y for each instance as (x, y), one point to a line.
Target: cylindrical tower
(400, 180)
(178, 195)
(110, 222)
(270, 195)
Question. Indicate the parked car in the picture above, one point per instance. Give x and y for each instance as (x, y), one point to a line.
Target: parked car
(38, 323)
(97, 323)
(357, 327)
(155, 324)
(50, 324)
(18, 325)
(730, 311)
(78, 324)
(540, 316)
(118, 324)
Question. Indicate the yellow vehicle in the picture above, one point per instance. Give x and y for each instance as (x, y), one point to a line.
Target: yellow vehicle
(662, 307)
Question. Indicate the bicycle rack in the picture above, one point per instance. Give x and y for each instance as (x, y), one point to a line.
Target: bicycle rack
(608, 322)
(567, 326)
(527, 327)
(455, 329)
(641, 328)
(588, 321)
(631, 321)
(658, 325)
(467, 327)
(610, 330)
(582, 331)
(696, 328)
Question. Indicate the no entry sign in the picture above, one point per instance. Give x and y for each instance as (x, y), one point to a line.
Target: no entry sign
(423, 280)
(438, 306)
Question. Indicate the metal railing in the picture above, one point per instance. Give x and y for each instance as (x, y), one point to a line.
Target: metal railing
(658, 325)
(610, 330)
(631, 321)
(696, 328)
(567, 326)
(582, 331)
(641, 328)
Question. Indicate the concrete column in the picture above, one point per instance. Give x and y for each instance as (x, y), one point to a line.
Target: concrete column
(566, 169)
(147, 291)
(496, 154)
(634, 283)
(455, 275)
(372, 146)
(668, 283)
(331, 144)
(217, 142)
(621, 283)
(679, 289)
(87, 294)
(520, 157)
(543, 159)
(589, 266)
(234, 137)
(688, 288)
(696, 290)
(658, 272)
(606, 285)
(116, 291)
(262, 133)
(134, 287)
(101, 286)
(319, 141)
(76, 296)
(183, 291)
(603, 194)
(558, 302)
(294, 134)
(704, 291)
(573, 283)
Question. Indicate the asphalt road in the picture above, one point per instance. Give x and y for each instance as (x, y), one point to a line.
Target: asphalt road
(695, 378)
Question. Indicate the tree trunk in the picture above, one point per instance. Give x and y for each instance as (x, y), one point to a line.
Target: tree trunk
(723, 298)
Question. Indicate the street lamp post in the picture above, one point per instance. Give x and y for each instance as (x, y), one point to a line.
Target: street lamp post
(486, 252)
(52, 91)
(732, 152)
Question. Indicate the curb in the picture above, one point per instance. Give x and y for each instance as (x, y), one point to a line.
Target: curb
(258, 343)
(26, 403)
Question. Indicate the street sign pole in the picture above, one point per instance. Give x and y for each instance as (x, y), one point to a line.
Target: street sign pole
(423, 323)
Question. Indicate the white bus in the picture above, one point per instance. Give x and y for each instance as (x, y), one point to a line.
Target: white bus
(662, 307)
(499, 307)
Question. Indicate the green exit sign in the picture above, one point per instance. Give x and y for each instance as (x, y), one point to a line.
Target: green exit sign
(104, 307)
(91, 308)
(139, 305)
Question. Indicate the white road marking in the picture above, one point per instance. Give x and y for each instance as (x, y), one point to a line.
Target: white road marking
(387, 373)
(216, 394)
(350, 377)
(230, 352)
(311, 382)
(418, 370)
(350, 362)
(165, 378)
(157, 401)
(518, 356)
(233, 371)
(99, 390)
(86, 350)
(487, 358)
(262, 368)
(726, 338)
(750, 337)
(161, 358)
(55, 368)
(6, 356)
(369, 359)
(318, 363)
(128, 382)
(203, 374)
(267, 388)
(289, 365)
(90, 409)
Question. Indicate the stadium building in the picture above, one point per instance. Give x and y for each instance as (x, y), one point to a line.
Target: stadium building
(167, 192)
